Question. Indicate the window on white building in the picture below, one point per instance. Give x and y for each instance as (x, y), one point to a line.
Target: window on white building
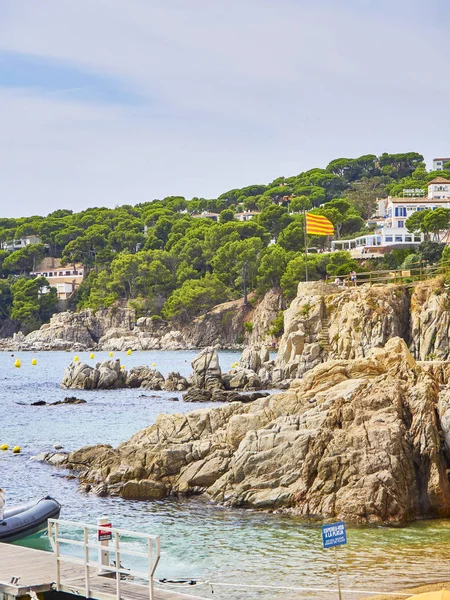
(399, 238)
(417, 238)
(389, 238)
(408, 238)
(401, 223)
(400, 211)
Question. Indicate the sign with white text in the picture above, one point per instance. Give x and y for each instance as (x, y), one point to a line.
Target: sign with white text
(334, 534)
(104, 532)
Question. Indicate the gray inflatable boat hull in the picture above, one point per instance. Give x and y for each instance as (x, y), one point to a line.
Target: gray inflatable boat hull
(27, 519)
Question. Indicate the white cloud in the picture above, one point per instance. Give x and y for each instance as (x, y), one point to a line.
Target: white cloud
(236, 92)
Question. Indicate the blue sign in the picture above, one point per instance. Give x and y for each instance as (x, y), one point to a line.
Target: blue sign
(334, 535)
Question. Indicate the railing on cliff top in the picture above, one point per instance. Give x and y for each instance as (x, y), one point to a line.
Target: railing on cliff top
(408, 277)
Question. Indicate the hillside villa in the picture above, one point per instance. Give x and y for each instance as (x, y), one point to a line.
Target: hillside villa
(65, 279)
(390, 221)
(18, 244)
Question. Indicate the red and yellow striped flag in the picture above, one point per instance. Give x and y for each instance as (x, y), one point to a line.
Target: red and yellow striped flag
(318, 225)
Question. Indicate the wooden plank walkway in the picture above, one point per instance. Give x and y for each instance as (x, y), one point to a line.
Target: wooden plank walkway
(36, 571)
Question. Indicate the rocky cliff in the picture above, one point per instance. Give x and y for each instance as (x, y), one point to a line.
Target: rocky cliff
(118, 329)
(365, 439)
(325, 321)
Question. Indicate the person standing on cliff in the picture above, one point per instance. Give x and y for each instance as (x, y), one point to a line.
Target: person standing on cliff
(2, 504)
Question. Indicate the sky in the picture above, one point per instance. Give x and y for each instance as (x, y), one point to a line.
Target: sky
(109, 102)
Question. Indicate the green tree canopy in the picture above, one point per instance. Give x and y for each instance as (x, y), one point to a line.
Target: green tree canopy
(195, 297)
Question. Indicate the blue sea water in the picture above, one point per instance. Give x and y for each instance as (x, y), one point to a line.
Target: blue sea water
(199, 540)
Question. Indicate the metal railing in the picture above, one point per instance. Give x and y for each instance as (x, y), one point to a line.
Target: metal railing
(410, 276)
(152, 554)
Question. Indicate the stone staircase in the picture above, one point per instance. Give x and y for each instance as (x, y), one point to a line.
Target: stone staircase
(324, 336)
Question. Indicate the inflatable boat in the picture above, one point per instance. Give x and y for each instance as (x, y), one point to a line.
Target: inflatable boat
(27, 519)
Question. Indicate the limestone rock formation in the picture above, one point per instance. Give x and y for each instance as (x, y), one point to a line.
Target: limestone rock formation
(207, 372)
(364, 439)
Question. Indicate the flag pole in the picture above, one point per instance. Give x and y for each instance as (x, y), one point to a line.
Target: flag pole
(306, 246)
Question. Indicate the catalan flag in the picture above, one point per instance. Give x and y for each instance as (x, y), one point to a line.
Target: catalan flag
(318, 225)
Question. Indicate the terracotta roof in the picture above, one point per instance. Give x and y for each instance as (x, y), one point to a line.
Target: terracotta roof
(446, 159)
(438, 180)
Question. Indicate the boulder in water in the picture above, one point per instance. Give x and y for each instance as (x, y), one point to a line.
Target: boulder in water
(144, 377)
(104, 376)
(197, 395)
(207, 372)
(175, 383)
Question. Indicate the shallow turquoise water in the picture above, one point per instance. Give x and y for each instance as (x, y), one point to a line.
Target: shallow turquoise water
(199, 540)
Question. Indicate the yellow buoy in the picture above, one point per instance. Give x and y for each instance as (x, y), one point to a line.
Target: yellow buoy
(92, 355)
(16, 449)
(4, 447)
(17, 363)
(153, 364)
(111, 354)
(33, 362)
(76, 359)
(122, 367)
(128, 352)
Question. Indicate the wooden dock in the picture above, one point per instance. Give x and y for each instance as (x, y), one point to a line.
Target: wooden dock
(35, 571)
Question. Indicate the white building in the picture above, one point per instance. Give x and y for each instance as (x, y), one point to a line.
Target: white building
(438, 163)
(439, 188)
(212, 216)
(393, 232)
(12, 245)
(246, 215)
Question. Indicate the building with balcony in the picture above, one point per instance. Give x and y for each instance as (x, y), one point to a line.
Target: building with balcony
(438, 163)
(66, 279)
(390, 231)
(18, 244)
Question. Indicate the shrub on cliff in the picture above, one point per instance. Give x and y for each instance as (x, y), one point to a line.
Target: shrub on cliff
(195, 297)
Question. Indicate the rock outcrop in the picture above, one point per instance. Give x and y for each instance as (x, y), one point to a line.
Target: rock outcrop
(118, 329)
(175, 383)
(325, 322)
(430, 320)
(78, 330)
(144, 377)
(207, 372)
(364, 439)
(104, 376)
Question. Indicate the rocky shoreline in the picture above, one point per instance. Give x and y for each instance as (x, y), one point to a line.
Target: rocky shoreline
(362, 433)
(366, 440)
(206, 384)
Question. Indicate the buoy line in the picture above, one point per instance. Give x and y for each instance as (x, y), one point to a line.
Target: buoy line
(193, 582)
